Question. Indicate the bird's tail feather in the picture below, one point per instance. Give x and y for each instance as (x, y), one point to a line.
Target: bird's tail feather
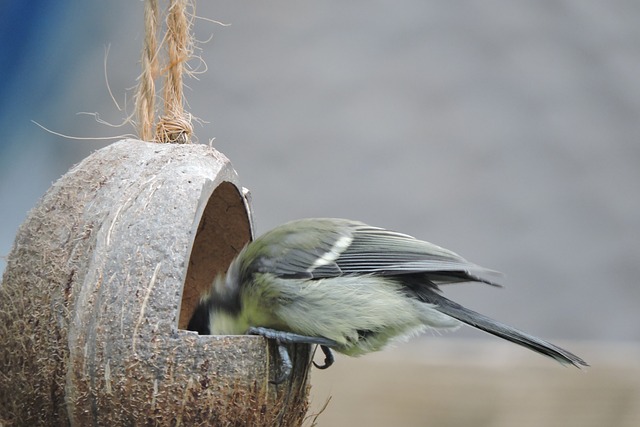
(501, 330)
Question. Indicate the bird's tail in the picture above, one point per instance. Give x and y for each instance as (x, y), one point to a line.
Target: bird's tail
(501, 330)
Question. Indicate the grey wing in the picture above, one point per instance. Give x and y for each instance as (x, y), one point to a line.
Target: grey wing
(382, 252)
(299, 248)
(349, 248)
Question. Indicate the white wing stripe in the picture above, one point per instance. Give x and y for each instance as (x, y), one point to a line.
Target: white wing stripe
(333, 254)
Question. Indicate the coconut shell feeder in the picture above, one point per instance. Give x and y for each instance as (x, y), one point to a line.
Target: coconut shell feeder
(100, 284)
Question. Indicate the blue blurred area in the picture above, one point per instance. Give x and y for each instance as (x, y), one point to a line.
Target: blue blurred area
(50, 69)
(33, 58)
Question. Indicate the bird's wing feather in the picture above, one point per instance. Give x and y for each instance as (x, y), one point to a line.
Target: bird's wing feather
(382, 252)
(343, 247)
(295, 252)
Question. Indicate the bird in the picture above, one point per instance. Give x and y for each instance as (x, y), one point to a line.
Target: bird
(349, 287)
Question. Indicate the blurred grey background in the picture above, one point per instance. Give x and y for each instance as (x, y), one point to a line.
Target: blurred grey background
(506, 131)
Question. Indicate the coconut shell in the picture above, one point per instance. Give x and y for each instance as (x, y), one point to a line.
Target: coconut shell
(100, 284)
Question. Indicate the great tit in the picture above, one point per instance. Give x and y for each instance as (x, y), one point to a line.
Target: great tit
(346, 286)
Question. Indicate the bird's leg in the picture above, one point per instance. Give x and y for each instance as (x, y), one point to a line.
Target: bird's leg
(328, 358)
(282, 337)
(290, 337)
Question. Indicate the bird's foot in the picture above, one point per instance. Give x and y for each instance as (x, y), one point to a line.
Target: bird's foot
(282, 338)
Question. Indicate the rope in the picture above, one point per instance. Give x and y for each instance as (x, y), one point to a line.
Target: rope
(175, 124)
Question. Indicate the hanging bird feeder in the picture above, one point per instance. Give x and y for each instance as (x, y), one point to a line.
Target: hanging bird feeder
(102, 279)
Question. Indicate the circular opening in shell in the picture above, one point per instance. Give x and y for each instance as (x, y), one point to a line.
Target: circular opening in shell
(223, 231)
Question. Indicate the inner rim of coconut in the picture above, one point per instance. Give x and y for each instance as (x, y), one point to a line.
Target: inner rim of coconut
(223, 230)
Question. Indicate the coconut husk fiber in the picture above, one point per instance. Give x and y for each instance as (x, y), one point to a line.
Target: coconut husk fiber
(100, 284)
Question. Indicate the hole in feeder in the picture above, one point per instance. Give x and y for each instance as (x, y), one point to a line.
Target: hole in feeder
(224, 229)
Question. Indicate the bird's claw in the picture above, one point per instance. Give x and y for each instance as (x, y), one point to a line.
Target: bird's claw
(328, 358)
(282, 338)
(286, 366)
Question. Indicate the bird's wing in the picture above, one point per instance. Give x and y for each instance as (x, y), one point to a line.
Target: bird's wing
(349, 248)
(378, 251)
